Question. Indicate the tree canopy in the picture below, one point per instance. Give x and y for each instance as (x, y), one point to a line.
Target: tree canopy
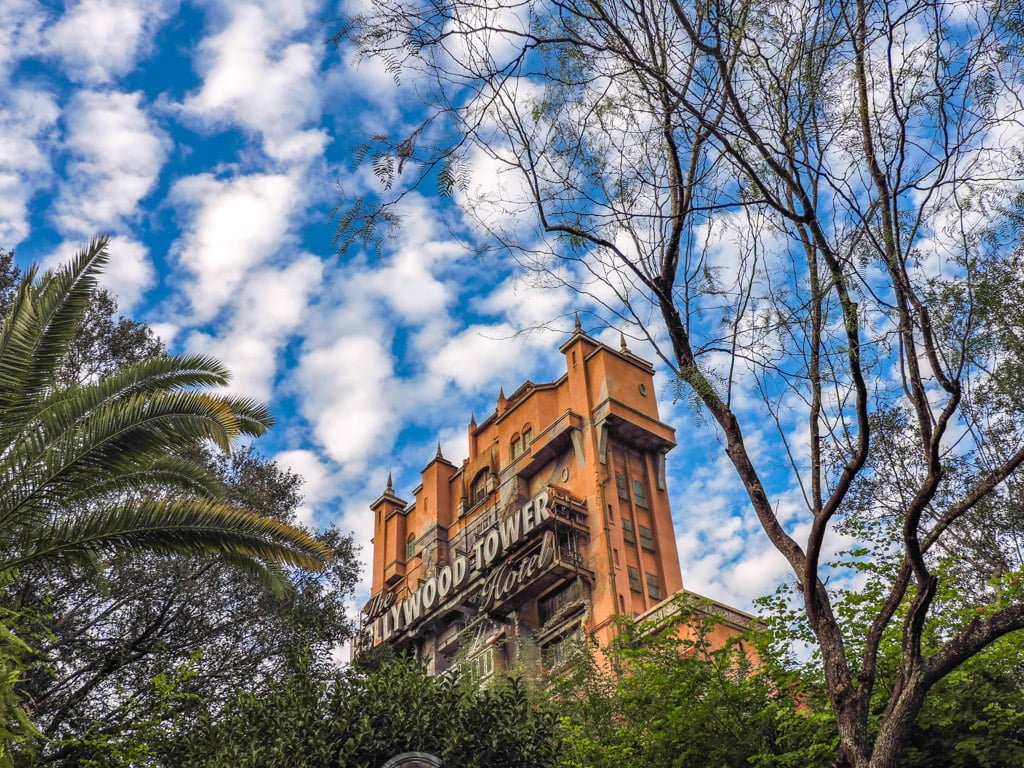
(809, 212)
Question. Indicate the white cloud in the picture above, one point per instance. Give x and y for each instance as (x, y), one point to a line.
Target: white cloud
(128, 274)
(497, 197)
(116, 153)
(479, 355)
(28, 120)
(166, 332)
(97, 41)
(270, 305)
(345, 396)
(254, 78)
(21, 24)
(232, 226)
(318, 482)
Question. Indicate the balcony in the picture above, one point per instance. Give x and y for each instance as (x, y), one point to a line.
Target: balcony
(551, 442)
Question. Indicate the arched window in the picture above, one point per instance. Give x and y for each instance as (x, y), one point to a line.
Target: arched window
(410, 546)
(478, 491)
(527, 436)
(517, 447)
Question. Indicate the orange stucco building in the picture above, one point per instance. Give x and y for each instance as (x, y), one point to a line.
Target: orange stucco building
(557, 522)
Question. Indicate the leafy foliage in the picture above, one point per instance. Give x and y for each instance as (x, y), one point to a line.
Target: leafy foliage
(96, 467)
(359, 719)
(128, 544)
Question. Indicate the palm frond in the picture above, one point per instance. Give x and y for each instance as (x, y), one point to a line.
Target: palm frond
(90, 469)
(174, 525)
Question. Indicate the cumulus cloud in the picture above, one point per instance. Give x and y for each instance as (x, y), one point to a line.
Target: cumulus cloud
(269, 306)
(231, 226)
(96, 41)
(127, 276)
(116, 153)
(21, 25)
(318, 483)
(255, 78)
(28, 120)
(346, 398)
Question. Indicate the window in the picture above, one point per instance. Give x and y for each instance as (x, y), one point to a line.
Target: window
(646, 538)
(620, 484)
(653, 587)
(478, 491)
(482, 665)
(410, 546)
(557, 652)
(527, 437)
(634, 578)
(627, 531)
(517, 447)
(550, 605)
(611, 513)
(640, 494)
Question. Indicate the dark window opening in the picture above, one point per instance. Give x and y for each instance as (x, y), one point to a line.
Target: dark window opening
(550, 605)
(627, 531)
(653, 587)
(640, 494)
(558, 651)
(620, 485)
(634, 578)
(479, 489)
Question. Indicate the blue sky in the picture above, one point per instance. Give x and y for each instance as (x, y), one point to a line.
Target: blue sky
(210, 139)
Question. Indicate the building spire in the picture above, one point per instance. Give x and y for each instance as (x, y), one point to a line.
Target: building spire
(390, 486)
(472, 420)
(622, 342)
(439, 454)
(579, 327)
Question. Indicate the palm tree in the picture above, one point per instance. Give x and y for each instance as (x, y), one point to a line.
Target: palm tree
(94, 468)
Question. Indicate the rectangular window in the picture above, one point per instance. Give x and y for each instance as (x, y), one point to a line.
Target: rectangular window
(634, 578)
(640, 493)
(627, 531)
(557, 652)
(482, 665)
(653, 587)
(646, 538)
(611, 513)
(550, 605)
(620, 485)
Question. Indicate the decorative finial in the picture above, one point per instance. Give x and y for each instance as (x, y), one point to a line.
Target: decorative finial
(501, 393)
(390, 487)
(472, 420)
(579, 327)
(439, 454)
(622, 342)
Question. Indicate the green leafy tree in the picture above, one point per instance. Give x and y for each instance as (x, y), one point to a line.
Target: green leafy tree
(100, 466)
(108, 639)
(799, 207)
(101, 462)
(361, 719)
(651, 700)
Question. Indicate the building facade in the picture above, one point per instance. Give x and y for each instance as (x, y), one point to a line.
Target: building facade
(557, 522)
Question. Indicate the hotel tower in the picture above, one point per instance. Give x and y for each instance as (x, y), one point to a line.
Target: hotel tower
(558, 522)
